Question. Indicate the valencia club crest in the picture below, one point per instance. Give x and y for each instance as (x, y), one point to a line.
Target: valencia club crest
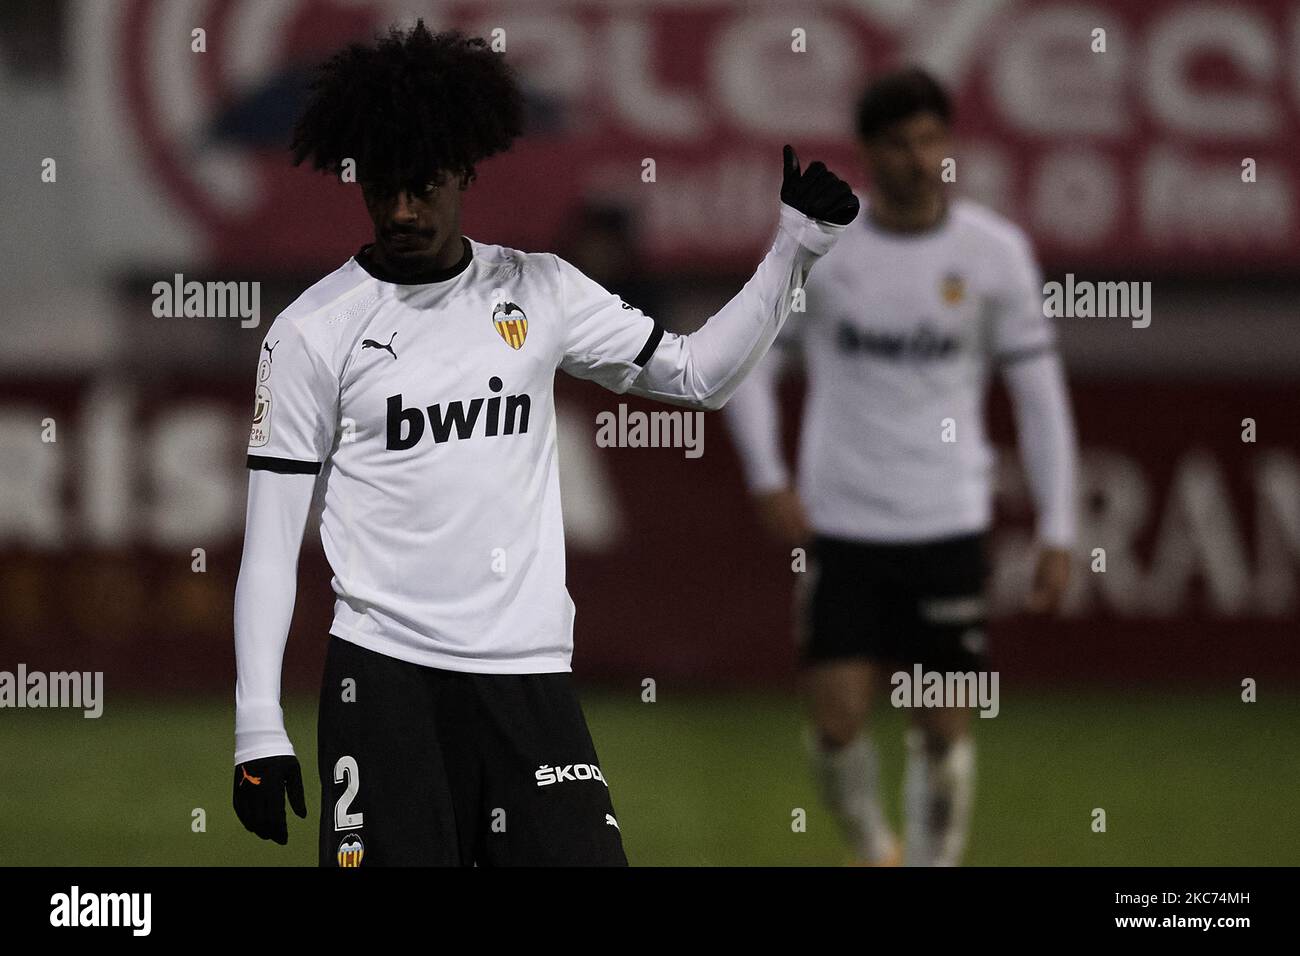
(511, 323)
(953, 289)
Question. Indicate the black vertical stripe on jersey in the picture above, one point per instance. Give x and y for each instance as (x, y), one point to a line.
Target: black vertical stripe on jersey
(651, 344)
(283, 466)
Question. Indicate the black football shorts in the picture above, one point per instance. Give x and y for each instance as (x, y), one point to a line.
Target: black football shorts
(898, 603)
(427, 767)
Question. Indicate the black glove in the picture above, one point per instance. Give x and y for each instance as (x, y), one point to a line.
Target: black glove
(260, 786)
(818, 193)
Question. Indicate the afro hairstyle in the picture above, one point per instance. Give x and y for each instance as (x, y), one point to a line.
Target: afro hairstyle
(412, 104)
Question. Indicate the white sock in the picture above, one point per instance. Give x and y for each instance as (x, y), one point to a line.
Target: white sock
(937, 800)
(849, 780)
(916, 796)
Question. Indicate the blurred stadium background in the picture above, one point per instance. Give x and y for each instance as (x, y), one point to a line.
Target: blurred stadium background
(1124, 166)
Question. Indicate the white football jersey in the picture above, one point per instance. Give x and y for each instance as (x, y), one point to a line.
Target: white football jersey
(427, 410)
(898, 340)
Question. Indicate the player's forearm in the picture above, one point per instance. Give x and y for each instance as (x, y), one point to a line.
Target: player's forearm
(754, 418)
(1048, 448)
(703, 369)
(278, 505)
(262, 616)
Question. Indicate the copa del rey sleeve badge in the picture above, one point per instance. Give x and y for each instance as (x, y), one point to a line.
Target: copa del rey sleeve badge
(260, 433)
(511, 323)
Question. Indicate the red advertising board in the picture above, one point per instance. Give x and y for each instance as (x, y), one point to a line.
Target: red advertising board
(1152, 137)
(120, 542)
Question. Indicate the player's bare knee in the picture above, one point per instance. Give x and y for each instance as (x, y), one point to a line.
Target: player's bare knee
(838, 727)
(940, 730)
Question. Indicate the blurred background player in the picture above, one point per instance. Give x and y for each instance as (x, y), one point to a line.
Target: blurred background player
(922, 298)
(600, 238)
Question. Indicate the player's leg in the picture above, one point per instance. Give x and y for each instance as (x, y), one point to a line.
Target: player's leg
(948, 637)
(939, 786)
(545, 799)
(385, 799)
(837, 616)
(842, 751)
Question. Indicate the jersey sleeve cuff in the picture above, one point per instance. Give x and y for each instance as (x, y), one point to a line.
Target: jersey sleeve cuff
(1016, 356)
(1056, 532)
(763, 479)
(814, 235)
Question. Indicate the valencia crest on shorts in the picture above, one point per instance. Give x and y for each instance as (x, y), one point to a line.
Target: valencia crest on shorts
(511, 323)
(351, 850)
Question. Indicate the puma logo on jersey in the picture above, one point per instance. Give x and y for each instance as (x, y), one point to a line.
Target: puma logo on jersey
(270, 350)
(458, 419)
(372, 344)
(255, 781)
(610, 821)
